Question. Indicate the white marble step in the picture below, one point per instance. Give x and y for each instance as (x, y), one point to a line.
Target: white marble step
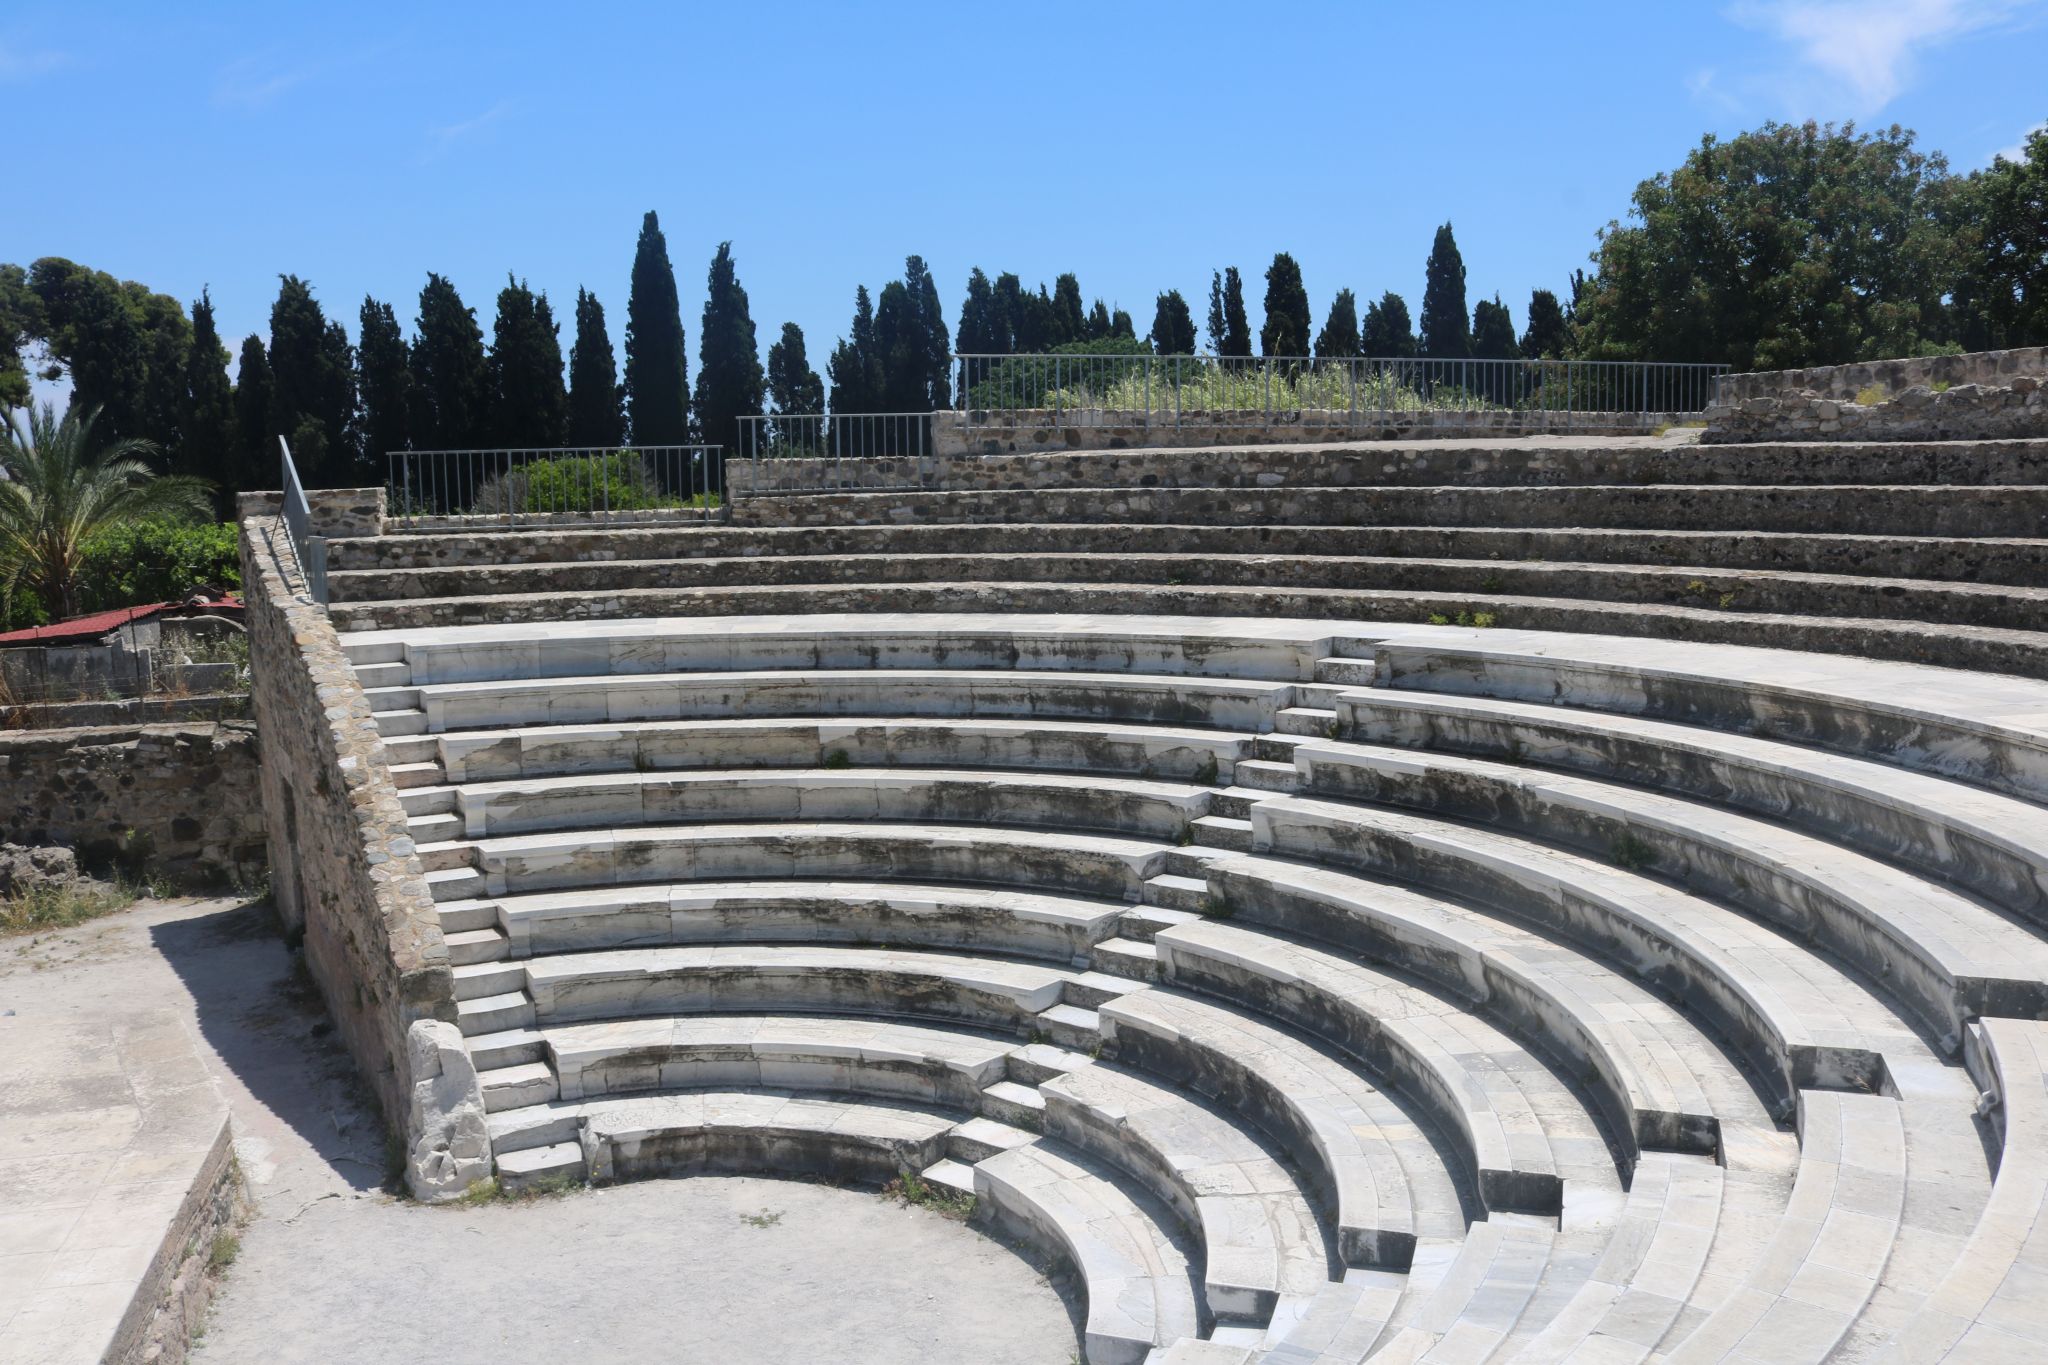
(1135, 1278)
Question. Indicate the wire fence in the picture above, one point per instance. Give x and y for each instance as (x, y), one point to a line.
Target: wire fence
(555, 486)
(1352, 392)
(809, 452)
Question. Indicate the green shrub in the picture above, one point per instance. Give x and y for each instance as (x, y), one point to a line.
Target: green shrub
(618, 482)
(152, 561)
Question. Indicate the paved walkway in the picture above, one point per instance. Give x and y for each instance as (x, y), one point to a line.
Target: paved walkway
(332, 1268)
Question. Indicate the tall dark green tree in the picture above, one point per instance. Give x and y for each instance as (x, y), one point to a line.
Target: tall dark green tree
(928, 381)
(1493, 331)
(983, 328)
(1215, 318)
(1068, 321)
(597, 405)
(20, 322)
(1285, 331)
(383, 385)
(1549, 336)
(793, 386)
(1173, 326)
(2003, 239)
(1237, 330)
(451, 378)
(95, 338)
(207, 425)
(1038, 327)
(1097, 326)
(1387, 333)
(856, 367)
(729, 379)
(1121, 326)
(529, 401)
(1446, 325)
(1011, 310)
(313, 399)
(1339, 336)
(256, 459)
(657, 366)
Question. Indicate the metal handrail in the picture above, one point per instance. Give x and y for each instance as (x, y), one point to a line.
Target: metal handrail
(308, 549)
(1144, 389)
(555, 485)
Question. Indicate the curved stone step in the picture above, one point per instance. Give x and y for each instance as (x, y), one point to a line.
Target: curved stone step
(774, 742)
(1994, 845)
(1827, 1254)
(1335, 1125)
(1088, 864)
(1261, 1245)
(762, 978)
(1476, 1300)
(1138, 1282)
(1000, 920)
(1127, 805)
(1983, 729)
(520, 700)
(1780, 1004)
(1460, 1070)
(1635, 1052)
(1987, 1307)
(1950, 957)
(757, 1132)
(914, 1063)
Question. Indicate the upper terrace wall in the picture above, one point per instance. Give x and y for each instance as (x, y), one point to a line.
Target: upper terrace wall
(343, 870)
(1994, 368)
(993, 433)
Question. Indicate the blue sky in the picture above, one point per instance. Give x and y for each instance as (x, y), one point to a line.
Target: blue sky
(1138, 145)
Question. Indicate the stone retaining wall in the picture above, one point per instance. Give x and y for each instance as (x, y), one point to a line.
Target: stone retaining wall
(329, 511)
(992, 433)
(1993, 368)
(2016, 409)
(344, 873)
(177, 801)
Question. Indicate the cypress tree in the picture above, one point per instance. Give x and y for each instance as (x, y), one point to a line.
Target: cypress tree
(855, 368)
(657, 366)
(1216, 311)
(451, 379)
(1446, 326)
(312, 371)
(932, 364)
(897, 348)
(597, 408)
(1173, 327)
(166, 336)
(1493, 331)
(1387, 333)
(981, 327)
(1339, 336)
(1009, 314)
(793, 386)
(256, 460)
(207, 425)
(529, 403)
(1037, 323)
(729, 380)
(1098, 322)
(1285, 332)
(1548, 337)
(1121, 326)
(383, 384)
(1068, 323)
(1237, 332)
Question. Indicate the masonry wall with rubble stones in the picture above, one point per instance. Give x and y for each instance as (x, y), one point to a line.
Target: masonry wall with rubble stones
(2017, 409)
(343, 870)
(177, 801)
(1991, 368)
(995, 433)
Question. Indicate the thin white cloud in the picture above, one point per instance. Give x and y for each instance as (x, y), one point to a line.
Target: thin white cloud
(2018, 150)
(255, 82)
(444, 137)
(25, 64)
(1854, 57)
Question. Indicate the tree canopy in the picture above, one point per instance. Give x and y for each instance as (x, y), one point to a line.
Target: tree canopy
(451, 379)
(1446, 326)
(1285, 330)
(1387, 333)
(793, 386)
(657, 368)
(597, 405)
(1339, 336)
(529, 402)
(1173, 326)
(729, 379)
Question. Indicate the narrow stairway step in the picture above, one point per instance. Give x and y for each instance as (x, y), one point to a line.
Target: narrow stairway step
(1127, 959)
(1265, 775)
(950, 1175)
(1308, 722)
(1220, 831)
(408, 775)
(1020, 1106)
(469, 946)
(1171, 892)
(978, 1139)
(1071, 1026)
(509, 1087)
(522, 1169)
(1141, 924)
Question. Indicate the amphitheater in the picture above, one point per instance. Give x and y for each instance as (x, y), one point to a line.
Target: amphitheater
(1522, 898)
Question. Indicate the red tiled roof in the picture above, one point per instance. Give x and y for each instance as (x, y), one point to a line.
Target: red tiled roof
(80, 628)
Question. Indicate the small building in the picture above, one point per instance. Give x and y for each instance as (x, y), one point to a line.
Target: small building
(125, 652)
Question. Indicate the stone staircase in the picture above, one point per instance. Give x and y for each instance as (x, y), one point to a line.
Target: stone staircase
(1315, 991)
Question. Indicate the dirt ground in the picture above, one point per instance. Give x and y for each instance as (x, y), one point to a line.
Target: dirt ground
(331, 1268)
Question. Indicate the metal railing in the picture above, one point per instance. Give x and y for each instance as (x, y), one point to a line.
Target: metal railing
(555, 486)
(1349, 392)
(806, 452)
(310, 550)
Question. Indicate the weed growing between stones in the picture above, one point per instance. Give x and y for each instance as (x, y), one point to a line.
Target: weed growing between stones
(1205, 771)
(1630, 853)
(766, 1218)
(1479, 620)
(1216, 905)
(60, 905)
(226, 1246)
(910, 1188)
(837, 758)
